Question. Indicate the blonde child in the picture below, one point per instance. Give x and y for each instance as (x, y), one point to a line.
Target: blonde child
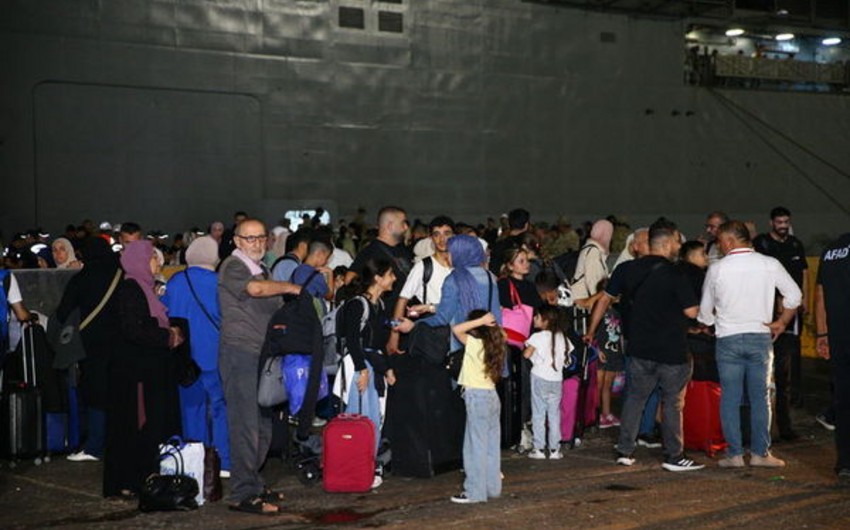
(483, 359)
(548, 350)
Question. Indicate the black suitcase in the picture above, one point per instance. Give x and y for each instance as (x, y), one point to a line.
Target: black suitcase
(22, 416)
(428, 419)
(510, 394)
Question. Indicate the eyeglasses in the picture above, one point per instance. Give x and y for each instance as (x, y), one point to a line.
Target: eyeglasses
(253, 239)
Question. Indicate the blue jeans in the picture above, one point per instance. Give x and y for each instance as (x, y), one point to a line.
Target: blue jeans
(745, 358)
(546, 404)
(481, 451)
(367, 403)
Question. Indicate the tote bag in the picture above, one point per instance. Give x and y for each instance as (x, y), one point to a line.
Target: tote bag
(517, 320)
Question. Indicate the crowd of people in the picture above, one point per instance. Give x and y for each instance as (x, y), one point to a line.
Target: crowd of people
(524, 307)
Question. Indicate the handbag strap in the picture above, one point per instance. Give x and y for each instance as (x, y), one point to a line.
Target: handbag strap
(515, 299)
(174, 452)
(489, 290)
(96, 311)
(215, 324)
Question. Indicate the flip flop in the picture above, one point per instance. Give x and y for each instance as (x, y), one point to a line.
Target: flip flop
(255, 505)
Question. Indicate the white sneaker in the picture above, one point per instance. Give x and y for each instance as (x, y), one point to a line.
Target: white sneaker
(82, 456)
(555, 454)
(525, 440)
(377, 481)
(224, 473)
(537, 454)
(319, 422)
(625, 460)
(461, 498)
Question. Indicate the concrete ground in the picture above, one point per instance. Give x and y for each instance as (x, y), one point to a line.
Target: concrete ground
(584, 490)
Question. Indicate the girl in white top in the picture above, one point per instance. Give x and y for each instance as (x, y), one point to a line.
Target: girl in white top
(548, 350)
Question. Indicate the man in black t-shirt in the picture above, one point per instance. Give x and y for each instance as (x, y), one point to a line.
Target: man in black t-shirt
(832, 312)
(780, 244)
(662, 301)
(389, 245)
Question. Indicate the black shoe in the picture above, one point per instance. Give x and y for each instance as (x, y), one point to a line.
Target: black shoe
(844, 478)
(650, 441)
(681, 464)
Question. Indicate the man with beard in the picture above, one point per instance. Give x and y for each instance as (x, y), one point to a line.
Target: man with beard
(779, 243)
(392, 227)
(248, 299)
(712, 223)
(662, 301)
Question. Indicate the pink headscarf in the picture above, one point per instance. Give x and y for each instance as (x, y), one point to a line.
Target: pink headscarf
(136, 262)
(602, 232)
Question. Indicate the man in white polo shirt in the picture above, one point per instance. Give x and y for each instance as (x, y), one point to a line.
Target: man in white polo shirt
(738, 299)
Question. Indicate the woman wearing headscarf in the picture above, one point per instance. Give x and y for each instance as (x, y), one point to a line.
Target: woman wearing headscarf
(469, 286)
(192, 294)
(425, 415)
(143, 400)
(63, 254)
(85, 292)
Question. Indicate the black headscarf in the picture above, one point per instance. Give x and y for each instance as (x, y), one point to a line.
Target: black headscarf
(87, 288)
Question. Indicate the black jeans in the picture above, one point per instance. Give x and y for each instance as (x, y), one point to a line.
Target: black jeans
(840, 358)
(784, 350)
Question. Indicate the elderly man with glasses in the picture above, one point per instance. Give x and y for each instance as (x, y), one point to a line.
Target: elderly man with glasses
(248, 299)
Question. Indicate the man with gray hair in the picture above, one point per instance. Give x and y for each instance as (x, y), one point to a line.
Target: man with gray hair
(738, 299)
(248, 299)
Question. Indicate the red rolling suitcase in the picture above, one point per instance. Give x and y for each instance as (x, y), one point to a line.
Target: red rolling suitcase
(701, 418)
(348, 454)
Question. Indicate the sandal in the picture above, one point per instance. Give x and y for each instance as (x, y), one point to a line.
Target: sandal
(270, 496)
(255, 505)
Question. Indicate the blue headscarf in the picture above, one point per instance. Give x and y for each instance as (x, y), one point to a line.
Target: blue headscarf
(467, 253)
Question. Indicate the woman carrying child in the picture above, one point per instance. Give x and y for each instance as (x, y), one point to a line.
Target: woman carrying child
(547, 349)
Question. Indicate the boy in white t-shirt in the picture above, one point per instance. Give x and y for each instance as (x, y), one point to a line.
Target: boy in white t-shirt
(548, 350)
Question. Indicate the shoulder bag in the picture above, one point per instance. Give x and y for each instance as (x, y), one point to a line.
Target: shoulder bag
(64, 337)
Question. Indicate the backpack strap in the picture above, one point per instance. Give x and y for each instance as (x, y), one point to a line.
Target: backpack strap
(427, 272)
(285, 257)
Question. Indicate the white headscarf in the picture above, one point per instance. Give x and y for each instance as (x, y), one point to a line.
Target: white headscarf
(203, 252)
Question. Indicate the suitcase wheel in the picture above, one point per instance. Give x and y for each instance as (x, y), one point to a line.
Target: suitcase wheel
(309, 473)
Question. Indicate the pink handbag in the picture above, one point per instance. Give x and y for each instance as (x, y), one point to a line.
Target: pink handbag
(517, 320)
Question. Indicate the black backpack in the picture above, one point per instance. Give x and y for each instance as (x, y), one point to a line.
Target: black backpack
(293, 328)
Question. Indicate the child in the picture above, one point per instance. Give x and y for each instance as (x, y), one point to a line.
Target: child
(483, 360)
(547, 349)
(609, 343)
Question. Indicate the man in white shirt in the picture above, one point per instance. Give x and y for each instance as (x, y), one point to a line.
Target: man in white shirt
(738, 299)
(11, 303)
(425, 295)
